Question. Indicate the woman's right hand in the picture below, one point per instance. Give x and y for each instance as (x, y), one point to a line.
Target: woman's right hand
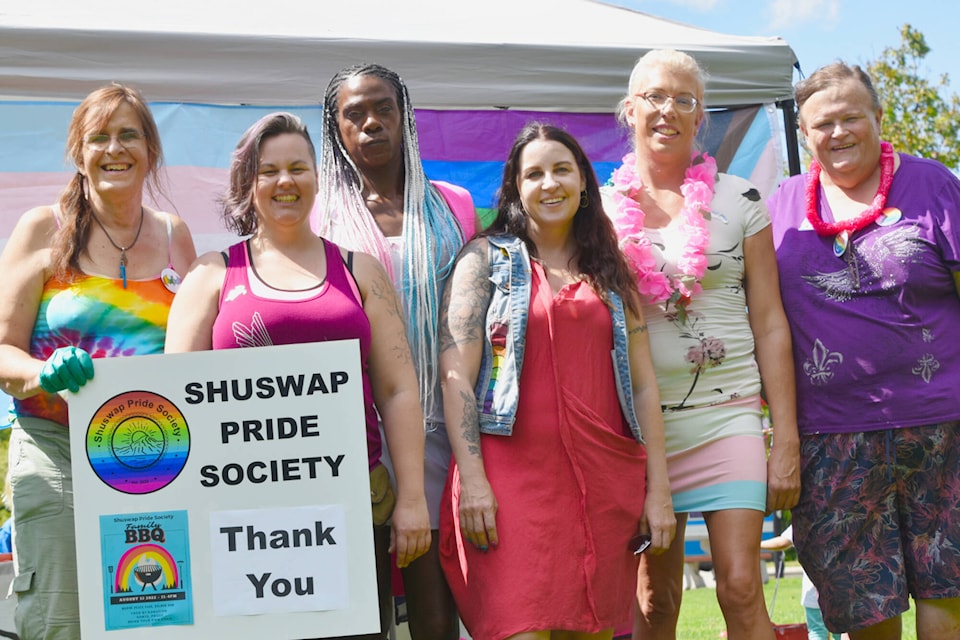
(659, 520)
(66, 368)
(478, 513)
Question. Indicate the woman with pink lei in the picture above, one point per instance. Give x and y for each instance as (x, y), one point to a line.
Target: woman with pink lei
(700, 246)
(868, 244)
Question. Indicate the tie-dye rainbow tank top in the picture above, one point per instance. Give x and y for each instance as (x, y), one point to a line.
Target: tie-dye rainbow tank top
(96, 314)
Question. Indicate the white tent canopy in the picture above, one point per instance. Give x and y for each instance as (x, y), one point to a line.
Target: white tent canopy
(565, 55)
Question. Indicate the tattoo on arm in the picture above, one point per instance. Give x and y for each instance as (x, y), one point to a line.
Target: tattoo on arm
(638, 329)
(382, 289)
(463, 311)
(470, 425)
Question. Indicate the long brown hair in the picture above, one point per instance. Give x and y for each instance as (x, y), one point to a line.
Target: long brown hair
(75, 212)
(598, 252)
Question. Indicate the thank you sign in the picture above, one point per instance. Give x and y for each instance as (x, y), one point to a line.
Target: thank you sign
(225, 493)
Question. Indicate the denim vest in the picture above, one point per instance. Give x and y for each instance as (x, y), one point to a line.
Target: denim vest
(498, 383)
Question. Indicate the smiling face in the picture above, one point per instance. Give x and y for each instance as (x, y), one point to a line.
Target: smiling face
(842, 129)
(370, 122)
(664, 129)
(286, 185)
(549, 182)
(114, 157)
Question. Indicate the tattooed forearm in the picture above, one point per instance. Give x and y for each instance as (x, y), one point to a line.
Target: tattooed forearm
(639, 329)
(470, 425)
(465, 300)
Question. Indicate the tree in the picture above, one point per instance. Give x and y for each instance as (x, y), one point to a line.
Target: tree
(919, 117)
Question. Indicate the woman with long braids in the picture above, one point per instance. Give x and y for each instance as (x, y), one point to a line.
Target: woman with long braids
(92, 276)
(374, 197)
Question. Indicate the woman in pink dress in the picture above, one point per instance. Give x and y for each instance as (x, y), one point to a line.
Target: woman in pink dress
(560, 457)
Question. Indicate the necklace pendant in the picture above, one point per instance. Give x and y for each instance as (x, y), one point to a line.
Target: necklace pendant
(840, 243)
(123, 272)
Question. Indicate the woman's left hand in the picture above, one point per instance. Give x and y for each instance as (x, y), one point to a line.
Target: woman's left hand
(410, 530)
(783, 477)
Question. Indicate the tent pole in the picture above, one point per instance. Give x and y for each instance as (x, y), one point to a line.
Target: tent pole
(790, 126)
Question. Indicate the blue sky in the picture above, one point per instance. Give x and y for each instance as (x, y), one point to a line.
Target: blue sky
(820, 31)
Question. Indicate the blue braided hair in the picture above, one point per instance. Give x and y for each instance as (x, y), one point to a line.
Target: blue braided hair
(431, 233)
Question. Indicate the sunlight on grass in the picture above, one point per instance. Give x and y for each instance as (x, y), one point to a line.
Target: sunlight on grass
(700, 617)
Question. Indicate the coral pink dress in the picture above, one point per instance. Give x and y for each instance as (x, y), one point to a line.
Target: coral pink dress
(570, 484)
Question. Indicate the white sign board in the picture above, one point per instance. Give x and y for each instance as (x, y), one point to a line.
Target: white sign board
(225, 493)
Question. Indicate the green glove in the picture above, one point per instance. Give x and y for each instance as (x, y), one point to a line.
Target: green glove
(66, 368)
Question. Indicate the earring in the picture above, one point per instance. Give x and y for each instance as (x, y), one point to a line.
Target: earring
(584, 200)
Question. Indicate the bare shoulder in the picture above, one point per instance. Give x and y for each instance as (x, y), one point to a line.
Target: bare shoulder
(203, 281)
(37, 227)
(365, 268)
(210, 262)
(183, 249)
(28, 247)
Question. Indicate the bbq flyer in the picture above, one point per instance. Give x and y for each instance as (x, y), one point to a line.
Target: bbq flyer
(147, 580)
(224, 494)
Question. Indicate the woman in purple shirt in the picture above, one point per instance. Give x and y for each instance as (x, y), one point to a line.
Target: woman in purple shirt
(868, 246)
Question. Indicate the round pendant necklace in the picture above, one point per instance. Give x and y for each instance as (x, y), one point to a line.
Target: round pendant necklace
(122, 250)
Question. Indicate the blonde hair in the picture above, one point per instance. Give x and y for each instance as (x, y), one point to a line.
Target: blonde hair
(669, 58)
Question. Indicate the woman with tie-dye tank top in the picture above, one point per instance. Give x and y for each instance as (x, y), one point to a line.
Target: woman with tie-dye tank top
(92, 276)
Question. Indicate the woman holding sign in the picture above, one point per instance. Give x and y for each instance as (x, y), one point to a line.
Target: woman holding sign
(92, 276)
(285, 285)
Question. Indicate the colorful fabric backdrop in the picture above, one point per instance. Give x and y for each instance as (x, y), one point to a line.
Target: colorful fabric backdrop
(467, 148)
(463, 147)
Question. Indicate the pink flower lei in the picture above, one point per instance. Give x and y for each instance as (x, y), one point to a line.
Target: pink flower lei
(697, 190)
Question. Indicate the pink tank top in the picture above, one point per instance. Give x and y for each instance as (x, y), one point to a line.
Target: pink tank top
(335, 312)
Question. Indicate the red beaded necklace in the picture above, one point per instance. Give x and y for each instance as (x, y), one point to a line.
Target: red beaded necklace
(869, 215)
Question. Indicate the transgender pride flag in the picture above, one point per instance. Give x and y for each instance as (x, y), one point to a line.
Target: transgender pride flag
(462, 147)
(467, 148)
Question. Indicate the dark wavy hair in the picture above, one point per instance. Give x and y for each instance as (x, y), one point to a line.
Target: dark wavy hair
(598, 252)
(93, 113)
(236, 204)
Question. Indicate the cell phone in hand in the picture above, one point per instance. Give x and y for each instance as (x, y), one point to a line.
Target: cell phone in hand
(639, 543)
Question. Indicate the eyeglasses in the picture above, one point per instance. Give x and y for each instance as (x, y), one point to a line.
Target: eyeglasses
(683, 104)
(101, 141)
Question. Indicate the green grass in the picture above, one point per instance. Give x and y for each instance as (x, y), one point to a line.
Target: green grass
(700, 617)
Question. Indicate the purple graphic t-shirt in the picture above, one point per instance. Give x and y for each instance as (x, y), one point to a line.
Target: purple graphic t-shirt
(876, 331)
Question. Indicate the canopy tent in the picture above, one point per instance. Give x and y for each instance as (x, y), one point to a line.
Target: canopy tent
(570, 55)
(476, 72)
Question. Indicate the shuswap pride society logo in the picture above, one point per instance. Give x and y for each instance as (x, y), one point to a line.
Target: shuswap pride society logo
(138, 442)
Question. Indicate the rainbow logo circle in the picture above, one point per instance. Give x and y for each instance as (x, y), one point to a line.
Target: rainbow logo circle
(137, 442)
